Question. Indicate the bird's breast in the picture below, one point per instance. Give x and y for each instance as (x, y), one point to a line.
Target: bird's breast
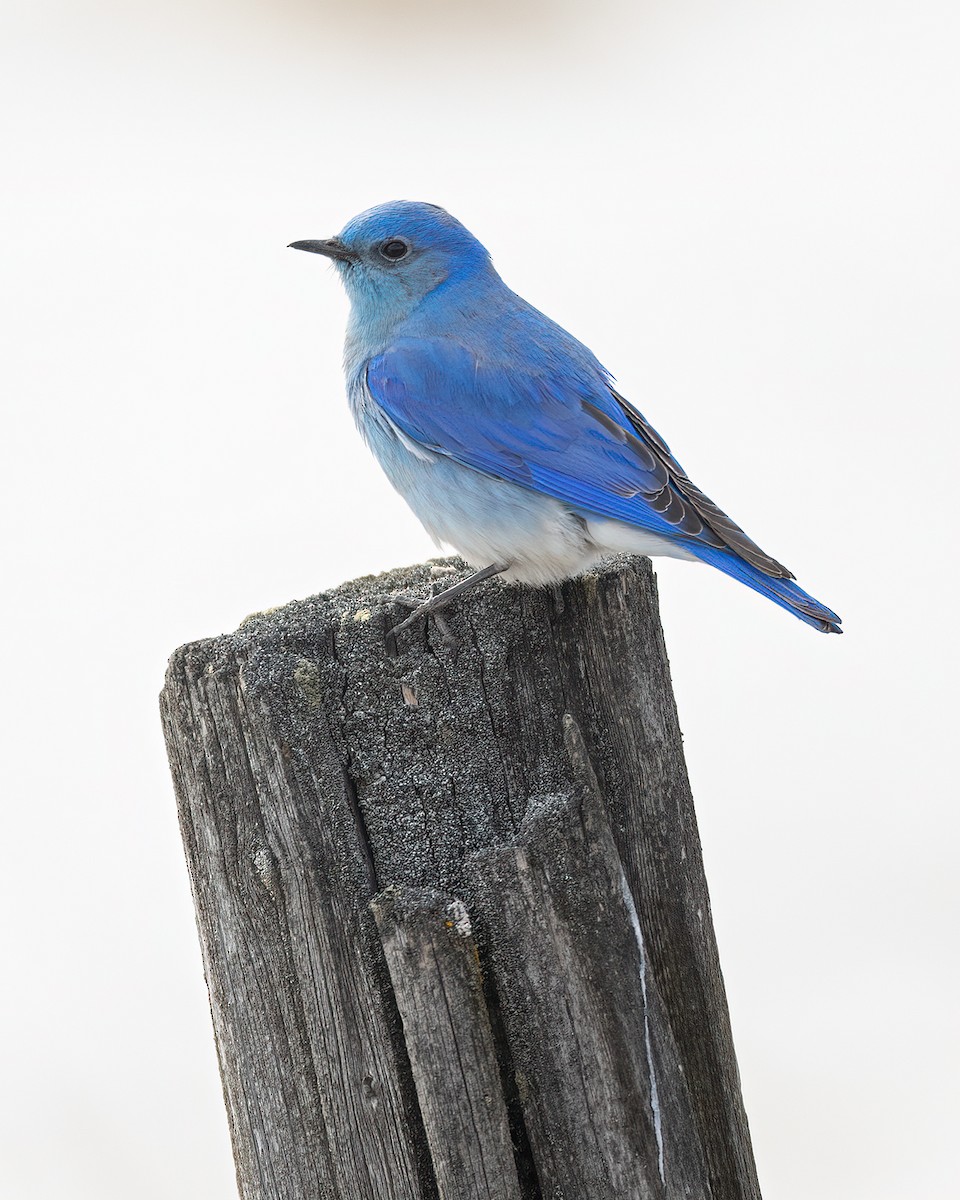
(485, 519)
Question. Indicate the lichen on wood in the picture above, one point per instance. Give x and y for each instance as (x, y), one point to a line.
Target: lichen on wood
(341, 797)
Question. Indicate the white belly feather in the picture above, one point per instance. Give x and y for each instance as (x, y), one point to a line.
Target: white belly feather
(488, 520)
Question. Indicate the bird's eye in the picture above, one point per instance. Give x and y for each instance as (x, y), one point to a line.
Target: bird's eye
(394, 249)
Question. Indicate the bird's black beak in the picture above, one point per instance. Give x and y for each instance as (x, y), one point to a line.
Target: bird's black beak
(331, 248)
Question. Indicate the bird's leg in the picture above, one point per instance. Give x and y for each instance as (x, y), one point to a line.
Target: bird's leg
(435, 603)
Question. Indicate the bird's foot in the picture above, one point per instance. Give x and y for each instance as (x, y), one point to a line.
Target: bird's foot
(421, 608)
(432, 607)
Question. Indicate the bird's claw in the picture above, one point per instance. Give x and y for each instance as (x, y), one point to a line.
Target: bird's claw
(432, 606)
(422, 608)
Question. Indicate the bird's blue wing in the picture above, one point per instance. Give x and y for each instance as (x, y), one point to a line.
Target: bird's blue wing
(557, 430)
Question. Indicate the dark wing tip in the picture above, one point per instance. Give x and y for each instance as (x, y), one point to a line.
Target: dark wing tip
(712, 515)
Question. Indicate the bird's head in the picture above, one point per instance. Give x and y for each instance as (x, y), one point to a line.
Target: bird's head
(392, 256)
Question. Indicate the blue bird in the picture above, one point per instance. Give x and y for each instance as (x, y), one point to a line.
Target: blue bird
(502, 432)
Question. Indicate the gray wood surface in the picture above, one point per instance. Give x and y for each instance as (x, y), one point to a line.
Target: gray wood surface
(565, 1036)
(435, 972)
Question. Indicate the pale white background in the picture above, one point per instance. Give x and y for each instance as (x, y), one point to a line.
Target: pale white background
(749, 210)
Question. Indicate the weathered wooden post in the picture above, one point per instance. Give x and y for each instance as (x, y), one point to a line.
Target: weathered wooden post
(452, 907)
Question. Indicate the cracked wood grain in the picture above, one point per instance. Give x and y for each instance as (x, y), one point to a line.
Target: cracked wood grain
(332, 792)
(435, 971)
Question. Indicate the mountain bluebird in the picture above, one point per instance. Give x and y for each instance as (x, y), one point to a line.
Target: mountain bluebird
(502, 432)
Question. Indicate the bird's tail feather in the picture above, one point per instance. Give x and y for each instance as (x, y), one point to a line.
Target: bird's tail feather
(784, 592)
